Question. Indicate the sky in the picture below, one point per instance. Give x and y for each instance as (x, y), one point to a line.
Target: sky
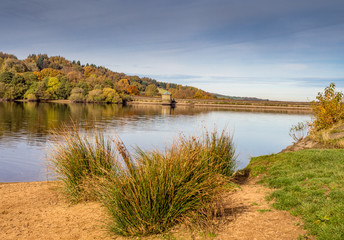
(271, 49)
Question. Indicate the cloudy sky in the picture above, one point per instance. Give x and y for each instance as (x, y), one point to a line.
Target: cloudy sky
(276, 49)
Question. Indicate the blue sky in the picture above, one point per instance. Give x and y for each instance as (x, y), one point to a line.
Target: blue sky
(276, 49)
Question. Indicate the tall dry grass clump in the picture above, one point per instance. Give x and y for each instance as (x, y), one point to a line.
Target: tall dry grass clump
(148, 192)
(77, 161)
(156, 191)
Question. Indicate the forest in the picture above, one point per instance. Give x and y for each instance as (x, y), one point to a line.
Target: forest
(40, 77)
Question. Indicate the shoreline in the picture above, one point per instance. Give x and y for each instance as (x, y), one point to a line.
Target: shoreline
(236, 105)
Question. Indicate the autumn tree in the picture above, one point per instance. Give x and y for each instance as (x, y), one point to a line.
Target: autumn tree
(151, 90)
(14, 65)
(95, 95)
(329, 108)
(53, 86)
(122, 85)
(77, 95)
(111, 96)
(132, 90)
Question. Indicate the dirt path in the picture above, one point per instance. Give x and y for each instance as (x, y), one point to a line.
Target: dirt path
(37, 211)
(254, 219)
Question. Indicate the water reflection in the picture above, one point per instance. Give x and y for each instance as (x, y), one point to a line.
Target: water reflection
(25, 130)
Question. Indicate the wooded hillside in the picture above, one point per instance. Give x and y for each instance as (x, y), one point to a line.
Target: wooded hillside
(40, 77)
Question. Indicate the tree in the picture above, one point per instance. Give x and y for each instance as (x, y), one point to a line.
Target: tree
(30, 78)
(122, 85)
(132, 90)
(77, 95)
(53, 87)
(95, 95)
(84, 86)
(64, 89)
(151, 90)
(6, 77)
(18, 87)
(2, 89)
(47, 72)
(111, 96)
(14, 65)
(329, 108)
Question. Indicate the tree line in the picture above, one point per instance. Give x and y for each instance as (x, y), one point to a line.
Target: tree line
(40, 77)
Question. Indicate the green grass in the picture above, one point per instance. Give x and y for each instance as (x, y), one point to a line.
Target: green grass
(310, 184)
(263, 210)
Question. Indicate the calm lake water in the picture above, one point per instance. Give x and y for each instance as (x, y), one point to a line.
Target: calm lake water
(26, 130)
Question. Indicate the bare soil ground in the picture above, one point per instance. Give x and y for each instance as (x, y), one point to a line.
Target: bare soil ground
(38, 211)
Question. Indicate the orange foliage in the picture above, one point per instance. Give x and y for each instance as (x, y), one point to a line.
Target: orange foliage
(47, 72)
(88, 70)
(132, 90)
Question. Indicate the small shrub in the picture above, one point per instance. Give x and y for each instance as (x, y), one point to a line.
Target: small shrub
(299, 131)
(328, 109)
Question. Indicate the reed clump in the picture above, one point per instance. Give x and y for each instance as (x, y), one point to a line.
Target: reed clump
(149, 192)
(76, 161)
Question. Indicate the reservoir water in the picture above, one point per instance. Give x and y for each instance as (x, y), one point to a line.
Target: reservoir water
(26, 130)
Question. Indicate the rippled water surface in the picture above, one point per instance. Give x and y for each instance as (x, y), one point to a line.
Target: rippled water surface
(26, 130)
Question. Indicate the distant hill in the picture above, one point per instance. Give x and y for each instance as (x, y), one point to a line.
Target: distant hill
(40, 77)
(239, 98)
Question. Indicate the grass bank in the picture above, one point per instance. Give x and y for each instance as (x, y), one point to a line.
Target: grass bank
(309, 184)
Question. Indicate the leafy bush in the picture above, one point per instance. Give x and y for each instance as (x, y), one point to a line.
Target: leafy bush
(328, 109)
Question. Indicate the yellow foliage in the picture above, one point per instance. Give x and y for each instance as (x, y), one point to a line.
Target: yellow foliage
(328, 109)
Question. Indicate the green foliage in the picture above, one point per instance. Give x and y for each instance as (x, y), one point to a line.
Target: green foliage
(328, 109)
(2, 89)
(111, 96)
(14, 65)
(64, 89)
(84, 86)
(95, 95)
(30, 78)
(309, 184)
(6, 77)
(77, 95)
(151, 90)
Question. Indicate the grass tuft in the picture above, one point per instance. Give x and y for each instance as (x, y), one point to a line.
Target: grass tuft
(164, 189)
(77, 162)
(153, 191)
